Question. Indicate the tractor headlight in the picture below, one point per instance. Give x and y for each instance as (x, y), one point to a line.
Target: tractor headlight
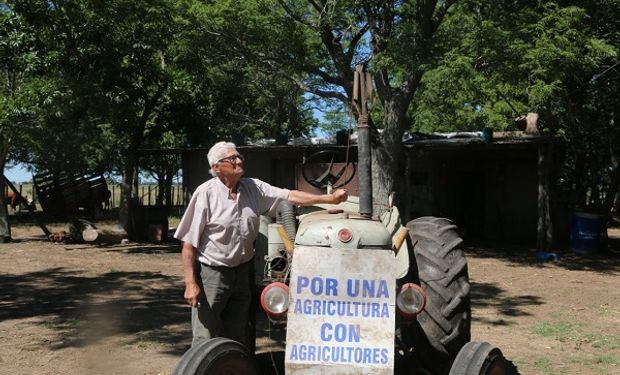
(275, 299)
(410, 300)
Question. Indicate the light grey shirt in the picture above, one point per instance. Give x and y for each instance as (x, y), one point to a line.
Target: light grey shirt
(223, 229)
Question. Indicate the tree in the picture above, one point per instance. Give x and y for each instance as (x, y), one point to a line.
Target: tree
(18, 64)
(116, 84)
(443, 65)
(316, 45)
(557, 59)
(116, 66)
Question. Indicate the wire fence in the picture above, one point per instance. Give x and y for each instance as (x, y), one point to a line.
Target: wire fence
(147, 195)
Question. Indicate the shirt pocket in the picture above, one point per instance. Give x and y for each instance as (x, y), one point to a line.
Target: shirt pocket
(249, 223)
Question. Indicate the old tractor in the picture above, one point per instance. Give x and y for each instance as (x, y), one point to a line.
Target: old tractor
(359, 294)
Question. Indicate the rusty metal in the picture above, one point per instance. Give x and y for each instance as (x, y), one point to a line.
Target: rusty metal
(363, 140)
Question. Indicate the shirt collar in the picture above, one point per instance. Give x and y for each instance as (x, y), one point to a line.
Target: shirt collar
(224, 189)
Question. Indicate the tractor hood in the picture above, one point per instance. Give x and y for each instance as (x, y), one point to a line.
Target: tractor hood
(322, 228)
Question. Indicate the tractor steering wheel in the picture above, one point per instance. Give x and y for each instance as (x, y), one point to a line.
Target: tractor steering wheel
(326, 178)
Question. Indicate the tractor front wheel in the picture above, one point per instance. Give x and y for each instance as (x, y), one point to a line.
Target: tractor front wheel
(218, 356)
(482, 358)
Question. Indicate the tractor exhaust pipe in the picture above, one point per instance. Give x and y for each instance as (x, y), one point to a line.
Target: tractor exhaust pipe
(362, 88)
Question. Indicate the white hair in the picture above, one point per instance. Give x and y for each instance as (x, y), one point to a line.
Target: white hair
(217, 152)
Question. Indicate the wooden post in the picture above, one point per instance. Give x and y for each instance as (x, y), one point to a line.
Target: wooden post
(36, 219)
(408, 194)
(544, 236)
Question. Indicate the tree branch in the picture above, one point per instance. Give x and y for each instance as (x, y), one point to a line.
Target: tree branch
(441, 13)
(319, 92)
(424, 17)
(380, 28)
(354, 41)
(295, 17)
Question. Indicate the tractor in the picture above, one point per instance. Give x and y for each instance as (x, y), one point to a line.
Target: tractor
(359, 294)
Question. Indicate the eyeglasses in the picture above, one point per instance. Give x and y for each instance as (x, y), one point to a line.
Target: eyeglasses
(231, 159)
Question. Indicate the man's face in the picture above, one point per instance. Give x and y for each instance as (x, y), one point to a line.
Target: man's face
(230, 166)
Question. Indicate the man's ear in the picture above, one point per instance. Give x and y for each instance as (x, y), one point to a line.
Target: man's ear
(215, 168)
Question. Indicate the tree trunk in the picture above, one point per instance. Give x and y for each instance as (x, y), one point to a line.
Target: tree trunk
(168, 185)
(610, 196)
(161, 188)
(128, 195)
(581, 200)
(544, 233)
(387, 157)
(616, 205)
(130, 169)
(5, 227)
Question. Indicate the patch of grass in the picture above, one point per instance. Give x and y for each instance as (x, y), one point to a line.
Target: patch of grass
(145, 341)
(600, 362)
(561, 331)
(566, 332)
(545, 367)
(606, 342)
(60, 323)
(597, 364)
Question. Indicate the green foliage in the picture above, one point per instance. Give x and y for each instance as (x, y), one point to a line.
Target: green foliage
(121, 75)
(19, 63)
(504, 59)
(247, 95)
(87, 83)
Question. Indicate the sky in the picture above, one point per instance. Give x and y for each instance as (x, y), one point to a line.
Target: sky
(18, 174)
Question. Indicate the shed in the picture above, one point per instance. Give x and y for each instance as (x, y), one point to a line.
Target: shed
(495, 190)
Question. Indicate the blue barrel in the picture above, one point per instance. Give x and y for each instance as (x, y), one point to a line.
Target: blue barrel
(585, 235)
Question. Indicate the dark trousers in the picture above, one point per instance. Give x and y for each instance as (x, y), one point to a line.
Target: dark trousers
(225, 303)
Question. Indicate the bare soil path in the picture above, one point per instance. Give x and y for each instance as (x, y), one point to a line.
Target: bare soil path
(82, 309)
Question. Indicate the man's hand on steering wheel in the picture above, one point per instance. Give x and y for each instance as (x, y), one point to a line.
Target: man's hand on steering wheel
(327, 178)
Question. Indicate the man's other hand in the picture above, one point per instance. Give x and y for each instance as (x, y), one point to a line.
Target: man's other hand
(192, 294)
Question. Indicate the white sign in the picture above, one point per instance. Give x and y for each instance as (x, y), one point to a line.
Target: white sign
(341, 315)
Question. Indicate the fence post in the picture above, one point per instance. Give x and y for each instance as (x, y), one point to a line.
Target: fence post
(35, 199)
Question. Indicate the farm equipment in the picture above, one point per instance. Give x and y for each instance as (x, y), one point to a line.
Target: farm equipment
(361, 295)
(62, 195)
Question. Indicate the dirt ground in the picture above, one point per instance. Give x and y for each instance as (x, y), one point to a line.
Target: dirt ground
(83, 309)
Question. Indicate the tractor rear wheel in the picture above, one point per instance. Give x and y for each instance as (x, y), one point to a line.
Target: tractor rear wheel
(217, 356)
(444, 326)
(482, 358)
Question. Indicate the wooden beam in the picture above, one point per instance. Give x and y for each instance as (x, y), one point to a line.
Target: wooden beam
(35, 218)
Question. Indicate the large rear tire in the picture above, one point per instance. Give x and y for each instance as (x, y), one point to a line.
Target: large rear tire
(482, 358)
(444, 325)
(218, 356)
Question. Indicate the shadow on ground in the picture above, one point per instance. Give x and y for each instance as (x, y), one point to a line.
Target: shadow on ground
(85, 309)
(505, 306)
(607, 262)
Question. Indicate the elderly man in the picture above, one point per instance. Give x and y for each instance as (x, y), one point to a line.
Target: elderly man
(218, 231)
